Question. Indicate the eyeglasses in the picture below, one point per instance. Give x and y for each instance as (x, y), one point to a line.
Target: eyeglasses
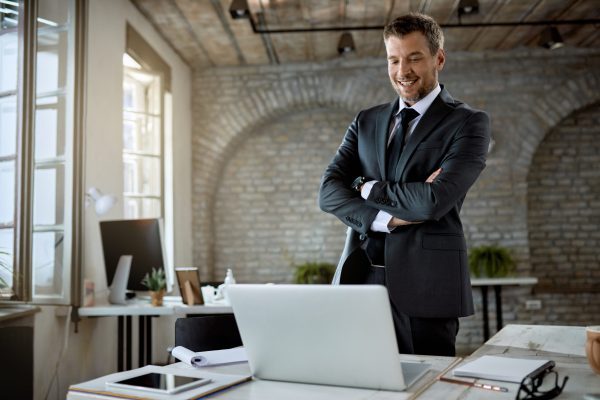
(530, 386)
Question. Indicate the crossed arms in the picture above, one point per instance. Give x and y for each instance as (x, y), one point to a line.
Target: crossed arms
(406, 202)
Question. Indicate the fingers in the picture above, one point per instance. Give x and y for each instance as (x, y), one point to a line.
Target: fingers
(434, 175)
(400, 222)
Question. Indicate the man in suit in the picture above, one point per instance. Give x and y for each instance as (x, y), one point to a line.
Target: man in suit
(398, 181)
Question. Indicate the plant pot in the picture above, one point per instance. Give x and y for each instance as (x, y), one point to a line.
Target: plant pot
(157, 297)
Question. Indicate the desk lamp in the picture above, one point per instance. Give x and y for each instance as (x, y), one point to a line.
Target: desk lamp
(102, 202)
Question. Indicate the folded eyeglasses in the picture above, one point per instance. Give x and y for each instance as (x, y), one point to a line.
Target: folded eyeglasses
(534, 387)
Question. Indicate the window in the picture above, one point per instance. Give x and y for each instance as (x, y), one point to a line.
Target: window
(147, 136)
(51, 155)
(9, 64)
(37, 149)
(142, 141)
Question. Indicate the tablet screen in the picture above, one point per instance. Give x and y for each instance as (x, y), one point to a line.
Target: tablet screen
(166, 383)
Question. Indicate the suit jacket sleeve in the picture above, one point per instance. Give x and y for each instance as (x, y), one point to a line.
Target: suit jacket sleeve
(461, 165)
(335, 194)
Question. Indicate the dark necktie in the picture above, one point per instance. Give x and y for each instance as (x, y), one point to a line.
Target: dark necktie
(395, 147)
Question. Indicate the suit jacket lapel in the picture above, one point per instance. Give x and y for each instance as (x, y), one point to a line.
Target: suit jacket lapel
(381, 135)
(433, 116)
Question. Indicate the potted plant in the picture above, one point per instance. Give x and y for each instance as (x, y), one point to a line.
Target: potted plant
(156, 282)
(314, 273)
(490, 261)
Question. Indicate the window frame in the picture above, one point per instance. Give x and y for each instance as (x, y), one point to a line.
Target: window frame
(25, 165)
(150, 60)
(130, 155)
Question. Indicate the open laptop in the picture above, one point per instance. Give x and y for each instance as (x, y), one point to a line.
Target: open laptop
(322, 334)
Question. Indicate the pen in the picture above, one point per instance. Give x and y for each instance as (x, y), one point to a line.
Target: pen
(474, 384)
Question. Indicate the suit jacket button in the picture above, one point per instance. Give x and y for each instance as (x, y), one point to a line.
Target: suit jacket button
(393, 204)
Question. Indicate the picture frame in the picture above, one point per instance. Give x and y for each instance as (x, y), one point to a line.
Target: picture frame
(188, 279)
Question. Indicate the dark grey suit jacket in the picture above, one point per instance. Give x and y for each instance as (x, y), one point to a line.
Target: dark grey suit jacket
(427, 273)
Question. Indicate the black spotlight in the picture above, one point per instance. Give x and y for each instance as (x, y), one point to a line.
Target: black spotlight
(346, 43)
(239, 9)
(466, 7)
(550, 38)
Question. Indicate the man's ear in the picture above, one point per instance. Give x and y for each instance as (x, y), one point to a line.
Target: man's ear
(440, 59)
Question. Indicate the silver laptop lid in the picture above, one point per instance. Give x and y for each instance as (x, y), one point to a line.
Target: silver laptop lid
(322, 334)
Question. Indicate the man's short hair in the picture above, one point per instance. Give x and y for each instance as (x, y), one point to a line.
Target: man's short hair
(416, 22)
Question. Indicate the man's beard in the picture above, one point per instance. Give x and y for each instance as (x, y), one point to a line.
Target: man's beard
(421, 93)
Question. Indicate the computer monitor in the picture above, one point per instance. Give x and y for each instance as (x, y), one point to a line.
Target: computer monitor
(140, 238)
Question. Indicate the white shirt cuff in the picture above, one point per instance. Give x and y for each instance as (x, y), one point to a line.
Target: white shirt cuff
(381, 221)
(366, 189)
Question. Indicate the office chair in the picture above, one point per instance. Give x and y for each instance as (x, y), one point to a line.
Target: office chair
(208, 332)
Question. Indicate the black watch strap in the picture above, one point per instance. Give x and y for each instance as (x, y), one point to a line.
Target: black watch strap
(358, 182)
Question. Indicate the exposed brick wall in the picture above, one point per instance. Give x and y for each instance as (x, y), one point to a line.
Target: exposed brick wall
(267, 217)
(259, 123)
(564, 206)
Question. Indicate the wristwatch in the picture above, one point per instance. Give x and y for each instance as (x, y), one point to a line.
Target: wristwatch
(358, 182)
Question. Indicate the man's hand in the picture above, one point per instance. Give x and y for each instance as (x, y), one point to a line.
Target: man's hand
(433, 175)
(396, 222)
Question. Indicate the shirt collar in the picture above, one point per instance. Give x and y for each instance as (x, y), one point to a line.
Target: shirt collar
(422, 105)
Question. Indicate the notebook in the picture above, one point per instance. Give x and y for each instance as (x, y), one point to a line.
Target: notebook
(322, 334)
(499, 368)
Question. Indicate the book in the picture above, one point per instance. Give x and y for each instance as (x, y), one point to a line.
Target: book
(218, 382)
(499, 368)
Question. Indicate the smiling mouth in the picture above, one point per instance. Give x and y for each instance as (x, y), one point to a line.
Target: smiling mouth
(407, 83)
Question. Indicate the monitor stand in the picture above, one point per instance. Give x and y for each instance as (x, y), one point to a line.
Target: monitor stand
(118, 288)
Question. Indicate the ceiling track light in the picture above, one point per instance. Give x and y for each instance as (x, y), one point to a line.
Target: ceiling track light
(239, 9)
(551, 39)
(346, 43)
(466, 7)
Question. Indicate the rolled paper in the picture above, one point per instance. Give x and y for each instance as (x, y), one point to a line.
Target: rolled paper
(189, 357)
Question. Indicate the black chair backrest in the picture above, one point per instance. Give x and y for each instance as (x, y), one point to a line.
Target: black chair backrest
(207, 332)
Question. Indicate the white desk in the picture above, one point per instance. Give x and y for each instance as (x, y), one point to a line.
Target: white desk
(497, 284)
(273, 390)
(144, 311)
(563, 344)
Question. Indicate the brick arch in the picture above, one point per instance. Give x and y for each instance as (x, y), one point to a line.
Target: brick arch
(254, 109)
(549, 110)
(563, 207)
(547, 113)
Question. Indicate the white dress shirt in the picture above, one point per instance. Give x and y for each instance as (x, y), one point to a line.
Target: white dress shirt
(381, 221)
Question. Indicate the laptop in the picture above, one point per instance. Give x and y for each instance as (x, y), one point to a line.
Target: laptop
(322, 334)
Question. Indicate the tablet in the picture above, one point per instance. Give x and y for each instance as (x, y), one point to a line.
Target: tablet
(159, 383)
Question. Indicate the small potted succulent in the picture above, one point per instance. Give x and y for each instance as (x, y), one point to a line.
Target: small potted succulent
(156, 282)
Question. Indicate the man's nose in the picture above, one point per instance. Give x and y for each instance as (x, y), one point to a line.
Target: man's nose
(404, 68)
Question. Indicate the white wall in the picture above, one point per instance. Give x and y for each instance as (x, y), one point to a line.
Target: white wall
(92, 351)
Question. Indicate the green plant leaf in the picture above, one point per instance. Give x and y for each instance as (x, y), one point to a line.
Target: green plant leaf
(155, 280)
(490, 261)
(314, 273)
